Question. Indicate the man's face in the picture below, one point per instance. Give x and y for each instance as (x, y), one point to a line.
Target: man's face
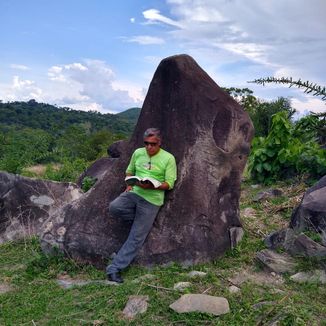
(152, 145)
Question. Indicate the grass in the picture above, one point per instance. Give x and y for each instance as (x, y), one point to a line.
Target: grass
(36, 298)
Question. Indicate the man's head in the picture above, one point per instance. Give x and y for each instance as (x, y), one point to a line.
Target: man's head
(152, 140)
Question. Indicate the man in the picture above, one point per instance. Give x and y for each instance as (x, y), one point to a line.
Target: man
(140, 203)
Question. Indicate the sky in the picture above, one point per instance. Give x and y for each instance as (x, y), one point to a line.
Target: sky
(101, 54)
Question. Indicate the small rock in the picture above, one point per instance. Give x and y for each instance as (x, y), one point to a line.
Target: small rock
(262, 304)
(68, 284)
(317, 276)
(249, 212)
(304, 246)
(196, 273)
(277, 291)
(201, 303)
(181, 286)
(273, 274)
(234, 289)
(261, 278)
(4, 288)
(137, 304)
(255, 186)
(278, 263)
(236, 235)
(271, 193)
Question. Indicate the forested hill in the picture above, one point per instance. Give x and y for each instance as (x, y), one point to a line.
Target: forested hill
(54, 119)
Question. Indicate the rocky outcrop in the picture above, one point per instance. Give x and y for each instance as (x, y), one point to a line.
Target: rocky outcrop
(210, 135)
(25, 203)
(308, 217)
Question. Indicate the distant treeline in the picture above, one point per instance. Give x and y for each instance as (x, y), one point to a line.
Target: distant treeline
(55, 120)
(66, 141)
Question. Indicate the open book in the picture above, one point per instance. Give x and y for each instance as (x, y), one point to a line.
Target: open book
(132, 180)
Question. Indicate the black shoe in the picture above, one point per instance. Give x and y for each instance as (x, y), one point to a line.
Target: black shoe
(115, 277)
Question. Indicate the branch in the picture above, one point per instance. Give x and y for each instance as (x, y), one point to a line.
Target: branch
(308, 86)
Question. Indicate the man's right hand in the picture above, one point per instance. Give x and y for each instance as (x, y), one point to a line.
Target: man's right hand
(129, 188)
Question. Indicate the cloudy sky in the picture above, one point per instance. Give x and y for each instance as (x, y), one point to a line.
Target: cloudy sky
(101, 55)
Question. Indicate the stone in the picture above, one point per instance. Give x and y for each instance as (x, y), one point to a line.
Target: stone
(316, 276)
(116, 149)
(68, 284)
(96, 171)
(137, 304)
(196, 274)
(201, 303)
(249, 212)
(260, 278)
(271, 193)
(181, 286)
(234, 289)
(311, 213)
(274, 262)
(209, 133)
(236, 235)
(5, 287)
(25, 203)
(280, 239)
(304, 246)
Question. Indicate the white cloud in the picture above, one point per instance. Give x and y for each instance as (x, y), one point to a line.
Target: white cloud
(308, 104)
(154, 16)
(19, 67)
(132, 20)
(92, 82)
(21, 90)
(86, 85)
(252, 38)
(146, 40)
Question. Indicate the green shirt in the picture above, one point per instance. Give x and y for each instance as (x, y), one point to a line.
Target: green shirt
(160, 166)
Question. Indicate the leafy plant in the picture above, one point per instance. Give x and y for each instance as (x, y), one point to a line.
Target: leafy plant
(87, 183)
(281, 155)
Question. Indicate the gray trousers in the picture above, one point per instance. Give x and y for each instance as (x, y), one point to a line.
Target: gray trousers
(131, 207)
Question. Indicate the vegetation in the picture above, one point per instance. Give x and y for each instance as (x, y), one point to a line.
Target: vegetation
(37, 299)
(285, 153)
(63, 140)
(56, 120)
(283, 148)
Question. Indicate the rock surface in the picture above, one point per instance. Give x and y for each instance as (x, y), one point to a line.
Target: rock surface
(137, 304)
(316, 276)
(201, 303)
(210, 135)
(25, 203)
(181, 286)
(311, 213)
(278, 263)
(309, 216)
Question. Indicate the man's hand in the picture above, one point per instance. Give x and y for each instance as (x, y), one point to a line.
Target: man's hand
(129, 188)
(145, 185)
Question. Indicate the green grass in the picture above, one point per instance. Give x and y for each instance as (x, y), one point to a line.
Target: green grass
(37, 299)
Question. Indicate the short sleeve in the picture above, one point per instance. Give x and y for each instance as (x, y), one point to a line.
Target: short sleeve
(171, 172)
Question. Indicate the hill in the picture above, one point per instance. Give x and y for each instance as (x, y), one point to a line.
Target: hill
(54, 119)
(130, 115)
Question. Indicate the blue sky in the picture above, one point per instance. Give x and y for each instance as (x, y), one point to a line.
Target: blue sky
(101, 55)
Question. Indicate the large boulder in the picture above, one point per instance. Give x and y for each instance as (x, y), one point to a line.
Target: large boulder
(209, 133)
(309, 217)
(25, 203)
(311, 213)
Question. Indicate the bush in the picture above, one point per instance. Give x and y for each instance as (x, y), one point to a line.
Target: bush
(282, 155)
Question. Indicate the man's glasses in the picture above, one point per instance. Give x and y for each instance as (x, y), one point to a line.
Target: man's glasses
(147, 143)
